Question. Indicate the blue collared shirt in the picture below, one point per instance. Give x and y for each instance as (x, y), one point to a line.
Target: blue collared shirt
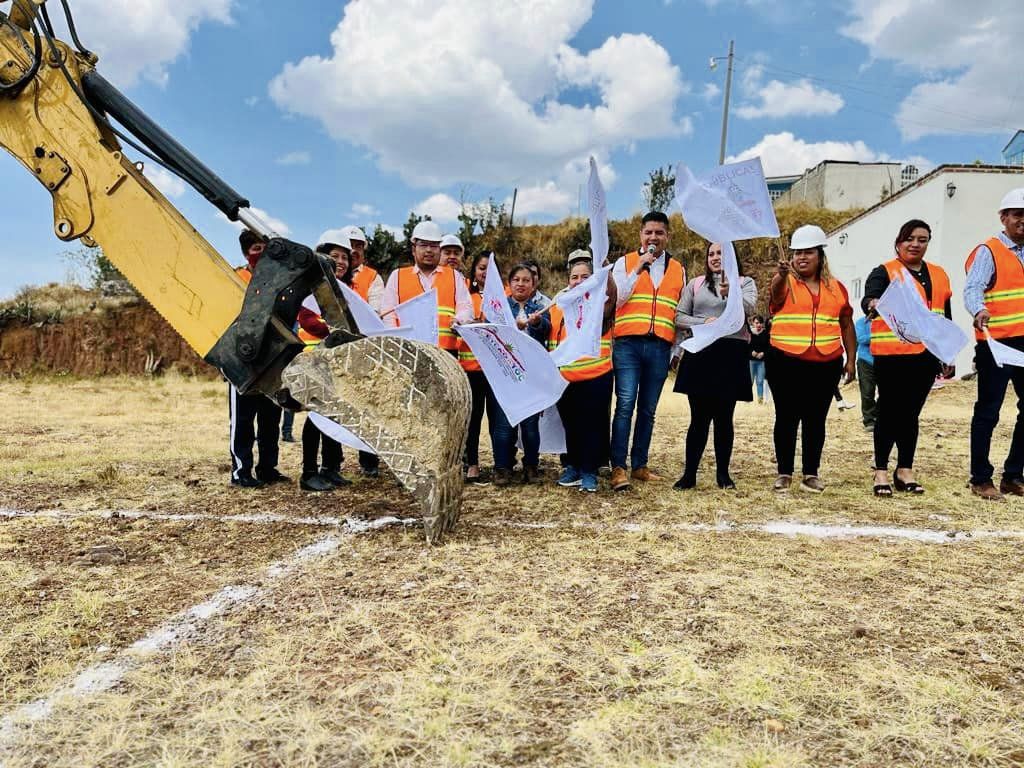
(980, 275)
(542, 330)
(863, 328)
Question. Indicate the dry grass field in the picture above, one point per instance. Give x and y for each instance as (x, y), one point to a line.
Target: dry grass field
(152, 615)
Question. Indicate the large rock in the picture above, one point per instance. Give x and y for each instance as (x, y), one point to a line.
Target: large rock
(407, 400)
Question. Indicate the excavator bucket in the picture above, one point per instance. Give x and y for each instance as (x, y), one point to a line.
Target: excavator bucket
(409, 401)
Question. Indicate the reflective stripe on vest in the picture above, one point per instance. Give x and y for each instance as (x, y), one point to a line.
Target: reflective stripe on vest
(467, 359)
(308, 338)
(362, 280)
(409, 287)
(798, 324)
(650, 310)
(883, 340)
(1005, 299)
(585, 368)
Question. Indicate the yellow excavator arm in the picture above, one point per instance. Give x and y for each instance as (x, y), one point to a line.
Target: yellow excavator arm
(67, 126)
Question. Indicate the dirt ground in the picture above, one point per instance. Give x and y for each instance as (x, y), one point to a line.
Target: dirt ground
(553, 629)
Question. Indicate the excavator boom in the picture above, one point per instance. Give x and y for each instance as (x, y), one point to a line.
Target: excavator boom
(56, 119)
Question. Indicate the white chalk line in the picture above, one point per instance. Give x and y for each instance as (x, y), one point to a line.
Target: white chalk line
(355, 525)
(185, 626)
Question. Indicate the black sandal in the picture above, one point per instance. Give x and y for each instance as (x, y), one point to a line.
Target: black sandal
(906, 487)
(883, 490)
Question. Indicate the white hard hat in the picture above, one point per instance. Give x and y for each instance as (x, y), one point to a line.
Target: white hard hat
(452, 240)
(334, 237)
(355, 233)
(428, 231)
(807, 236)
(1013, 199)
(578, 255)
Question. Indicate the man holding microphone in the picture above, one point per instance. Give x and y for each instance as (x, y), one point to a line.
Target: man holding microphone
(649, 283)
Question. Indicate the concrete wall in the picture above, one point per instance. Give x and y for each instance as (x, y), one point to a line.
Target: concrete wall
(958, 225)
(841, 186)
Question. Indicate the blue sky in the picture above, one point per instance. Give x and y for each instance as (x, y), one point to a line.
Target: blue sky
(331, 113)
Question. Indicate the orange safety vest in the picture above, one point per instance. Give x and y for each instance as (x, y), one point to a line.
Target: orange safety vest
(585, 368)
(362, 280)
(1005, 299)
(409, 288)
(245, 273)
(883, 340)
(467, 359)
(651, 311)
(798, 326)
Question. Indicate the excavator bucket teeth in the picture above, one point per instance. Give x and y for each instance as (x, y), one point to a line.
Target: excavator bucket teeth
(407, 400)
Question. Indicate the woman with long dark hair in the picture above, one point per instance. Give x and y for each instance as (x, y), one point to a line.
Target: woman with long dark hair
(482, 395)
(812, 323)
(718, 376)
(904, 373)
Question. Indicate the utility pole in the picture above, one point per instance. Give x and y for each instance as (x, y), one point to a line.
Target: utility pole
(725, 106)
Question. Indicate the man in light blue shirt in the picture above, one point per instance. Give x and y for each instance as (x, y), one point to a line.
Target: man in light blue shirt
(1008, 327)
(866, 372)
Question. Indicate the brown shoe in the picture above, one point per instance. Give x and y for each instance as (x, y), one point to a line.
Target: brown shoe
(531, 475)
(1012, 487)
(502, 477)
(986, 491)
(620, 480)
(782, 483)
(812, 483)
(644, 474)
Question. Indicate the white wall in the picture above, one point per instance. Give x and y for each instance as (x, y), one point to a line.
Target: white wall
(958, 225)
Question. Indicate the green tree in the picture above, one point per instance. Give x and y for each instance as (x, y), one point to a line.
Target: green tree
(659, 189)
(383, 251)
(97, 268)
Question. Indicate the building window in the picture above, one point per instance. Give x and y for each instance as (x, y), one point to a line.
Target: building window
(908, 175)
(856, 282)
(775, 193)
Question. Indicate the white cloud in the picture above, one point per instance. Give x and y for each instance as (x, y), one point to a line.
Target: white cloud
(783, 154)
(279, 226)
(140, 39)
(439, 207)
(547, 198)
(363, 211)
(299, 157)
(968, 45)
(169, 184)
(711, 91)
(483, 106)
(802, 98)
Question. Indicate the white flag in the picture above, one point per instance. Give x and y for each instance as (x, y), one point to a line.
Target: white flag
(726, 204)
(420, 314)
(367, 320)
(494, 302)
(730, 202)
(1004, 354)
(338, 433)
(902, 308)
(552, 432)
(598, 210)
(524, 379)
(583, 307)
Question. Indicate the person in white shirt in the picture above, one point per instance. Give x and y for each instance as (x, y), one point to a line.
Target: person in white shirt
(453, 301)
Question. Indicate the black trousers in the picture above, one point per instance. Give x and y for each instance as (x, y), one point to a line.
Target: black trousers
(868, 385)
(904, 382)
(312, 438)
(481, 394)
(803, 394)
(992, 381)
(706, 410)
(254, 419)
(585, 409)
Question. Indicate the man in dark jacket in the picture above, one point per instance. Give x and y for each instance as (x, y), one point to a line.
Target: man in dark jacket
(255, 419)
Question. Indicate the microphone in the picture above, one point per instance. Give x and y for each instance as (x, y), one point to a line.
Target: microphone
(650, 252)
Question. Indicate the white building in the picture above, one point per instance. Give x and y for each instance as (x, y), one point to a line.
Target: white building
(840, 185)
(959, 202)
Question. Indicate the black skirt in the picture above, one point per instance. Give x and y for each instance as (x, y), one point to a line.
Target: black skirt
(720, 370)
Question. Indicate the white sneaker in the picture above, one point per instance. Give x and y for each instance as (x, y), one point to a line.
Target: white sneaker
(845, 405)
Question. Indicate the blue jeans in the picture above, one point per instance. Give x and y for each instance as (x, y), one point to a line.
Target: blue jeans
(757, 376)
(503, 438)
(641, 366)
